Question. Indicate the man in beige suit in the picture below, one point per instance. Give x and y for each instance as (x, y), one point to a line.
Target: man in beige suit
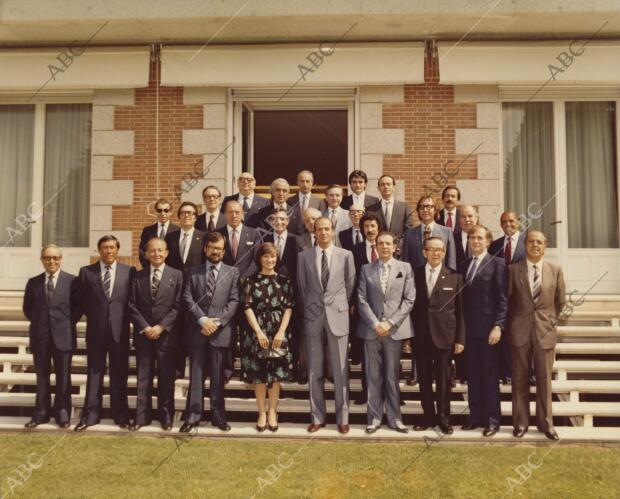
(536, 295)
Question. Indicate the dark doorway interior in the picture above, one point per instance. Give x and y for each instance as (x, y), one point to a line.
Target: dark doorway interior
(288, 141)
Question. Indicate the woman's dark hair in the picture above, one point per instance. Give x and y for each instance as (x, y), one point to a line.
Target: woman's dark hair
(265, 249)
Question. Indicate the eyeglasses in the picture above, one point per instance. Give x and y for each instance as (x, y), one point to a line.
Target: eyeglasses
(215, 248)
(246, 180)
(163, 210)
(426, 206)
(187, 214)
(211, 196)
(433, 250)
(51, 258)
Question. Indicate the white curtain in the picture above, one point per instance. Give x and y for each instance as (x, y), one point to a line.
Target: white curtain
(529, 179)
(591, 175)
(67, 174)
(16, 156)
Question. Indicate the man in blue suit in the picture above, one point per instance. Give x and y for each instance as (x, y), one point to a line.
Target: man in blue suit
(47, 305)
(485, 309)
(211, 298)
(510, 247)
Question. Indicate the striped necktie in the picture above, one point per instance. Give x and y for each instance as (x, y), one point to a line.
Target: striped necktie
(155, 283)
(324, 270)
(536, 288)
(107, 279)
(471, 273)
(50, 288)
(210, 284)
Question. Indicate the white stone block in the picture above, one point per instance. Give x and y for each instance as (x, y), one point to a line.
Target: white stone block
(101, 217)
(480, 192)
(114, 142)
(489, 216)
(487, 115)
(489, 166)
(400, 190)
(204, 95)
(117, 97)
(372, 164)
(111, 192)
(103, 117)
(215, 116)
(476, 93)
(476, 141)
(371, 115)
(382, 93)
(215, 165)
(382, 141)
(204, 141)
(102, 168)
(124, 238)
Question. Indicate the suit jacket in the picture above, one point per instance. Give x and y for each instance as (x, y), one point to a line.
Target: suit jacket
(304, 241)
(526, 317)
(287, 265)
(484, 297)
(456, 221)
(248, 244)
(369, 200)
(330, 306)
(461, 254)
(298, 226)
(105, 316)
(195, 255)
(250, 218)
(497, 248)
(146, 311)
(346, 238)
(202, 223)
(401, 217)
(222, 306)
(264, 213)
(56, 318)
(343, 222)
(414, 242)
(148, 233)
(441, 315)
(360, 258)
(395, 304)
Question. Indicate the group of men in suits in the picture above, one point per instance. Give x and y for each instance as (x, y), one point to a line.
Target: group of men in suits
(364, 276)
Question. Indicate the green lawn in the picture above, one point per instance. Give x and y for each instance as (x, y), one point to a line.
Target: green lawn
(70, 465)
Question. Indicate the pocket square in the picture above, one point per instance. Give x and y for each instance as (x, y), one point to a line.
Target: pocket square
(249, 243)
(448, 289)
(399, 276)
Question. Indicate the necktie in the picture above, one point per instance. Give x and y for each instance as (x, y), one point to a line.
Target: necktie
(472, 269)
(358, 237)
(324, 270)
(313, 239)
(246, 207)
(234, 244)
(50, 288)
(334, 220)
(508, 251)
(431, 281)
(183, 245)
(385, 273)
(155, 283)
(210, 284)
(373, 254)
(449, 221)
(427, 232)
(107, 279)
(162, 232)
(211, 226)
(279, 245)
(388, 215)
(536, 285)
(304, 203)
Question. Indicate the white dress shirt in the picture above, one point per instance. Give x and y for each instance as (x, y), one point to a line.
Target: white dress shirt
(165, 227)
(354, 233)
(369, 251)
(431, 225)
(359, 198)
(427, 272)
(319, 255)
(283, 237)
(530, 273)
(160, 270)
(445, 217)
(190, 234)
(208, 214)
(54, 279)
(480, 257)
(112, 274)
(514, 239)
(249, 197)
(464, 236)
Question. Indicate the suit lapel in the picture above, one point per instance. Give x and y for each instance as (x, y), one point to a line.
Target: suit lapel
(145, 284)
(439, 282)
(312, 265)
(524, 280)
(376, 274)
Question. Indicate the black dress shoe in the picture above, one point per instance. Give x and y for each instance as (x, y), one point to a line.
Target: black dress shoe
(420, 427)
(361, 400)
(489, 431)
(372, 429)
(222, 426)
(412, 381)
(81, 426)
(470, 426)
(31, 424)
(400, 429)
(552, 435)
(187, 427)
(302, 380)
(123, 426)
(446, 429)
(64, 425)
(166, 426)
(519, 432)
(134, 426)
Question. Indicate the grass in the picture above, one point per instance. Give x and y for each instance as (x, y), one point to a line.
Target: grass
(70, 465)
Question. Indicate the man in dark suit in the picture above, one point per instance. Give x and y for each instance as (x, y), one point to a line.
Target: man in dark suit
(448, 216)
(280, 190)
(241, 241)
(394, 216)
(358, 180)
(211, 297)
(307, 239)
(303, 200)
(103, 297)
(510, 247)
(212, 218)
(185, 246)
(484, 308)
(439, 330)
(247, 198)
(353, 235)
(154, 302)
(47, 305)
(160, 229)
(536, 297)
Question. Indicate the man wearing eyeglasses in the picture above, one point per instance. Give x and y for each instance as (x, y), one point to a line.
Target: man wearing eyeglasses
(247, 198)
(212, 219)
(47, 305)
(159, 229)
(185, 246)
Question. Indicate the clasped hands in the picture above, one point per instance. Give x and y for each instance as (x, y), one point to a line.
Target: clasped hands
(383, 328)
(153, 332)
(209, 326)
(263, 341)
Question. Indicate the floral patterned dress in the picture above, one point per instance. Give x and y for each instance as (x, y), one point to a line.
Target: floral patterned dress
(268, 296)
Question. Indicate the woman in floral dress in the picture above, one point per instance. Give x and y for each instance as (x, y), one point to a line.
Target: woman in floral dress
(268, 301)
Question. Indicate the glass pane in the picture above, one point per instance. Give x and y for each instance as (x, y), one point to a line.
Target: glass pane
(16, 154)
(529, 178)
(591, 174)
(67, 175)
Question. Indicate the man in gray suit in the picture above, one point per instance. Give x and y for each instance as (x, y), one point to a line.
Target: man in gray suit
(303, 200)
(211, 298)
(47, 305)
(103, 296)
(339, 216)
(386, 293)
(326, 281)
(308, 239)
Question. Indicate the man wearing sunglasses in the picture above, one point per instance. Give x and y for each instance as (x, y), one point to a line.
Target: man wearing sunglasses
(159, 229)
